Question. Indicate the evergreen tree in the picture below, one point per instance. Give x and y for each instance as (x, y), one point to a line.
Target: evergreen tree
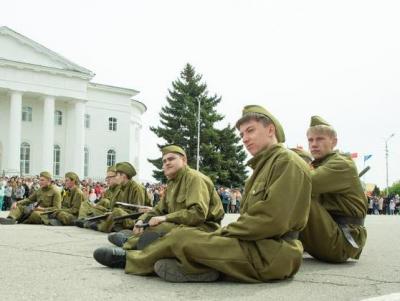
(179, 126)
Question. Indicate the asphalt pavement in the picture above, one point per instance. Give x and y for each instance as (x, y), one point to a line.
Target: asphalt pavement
(55, 263)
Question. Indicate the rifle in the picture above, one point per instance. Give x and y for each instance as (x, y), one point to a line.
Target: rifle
(118, 218)
(132, 206)
(132, 215)
(97, 218)
(364, 171)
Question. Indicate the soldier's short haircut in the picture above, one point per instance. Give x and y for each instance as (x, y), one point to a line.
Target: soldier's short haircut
(323, 129)
(254, 116)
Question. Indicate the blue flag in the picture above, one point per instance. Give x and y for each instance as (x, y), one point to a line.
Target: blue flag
(366, 157)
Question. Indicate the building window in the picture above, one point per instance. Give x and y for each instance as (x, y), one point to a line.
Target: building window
(26, 114)
(87, 121)
(58, 117)
(111, 157)
(25, 158)
(56, 160)
(112, 124)
(86, 163)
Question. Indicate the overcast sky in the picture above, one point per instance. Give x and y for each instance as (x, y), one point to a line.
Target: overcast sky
(337, 59)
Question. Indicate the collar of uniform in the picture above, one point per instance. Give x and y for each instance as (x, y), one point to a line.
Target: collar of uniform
(263, 155)
(123, 186)
(320, 161)
(47, 187)
(179, 174)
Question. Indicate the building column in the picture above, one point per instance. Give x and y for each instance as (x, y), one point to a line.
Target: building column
(48, 133)
(14, 135)
(134, 144)
(79, 138)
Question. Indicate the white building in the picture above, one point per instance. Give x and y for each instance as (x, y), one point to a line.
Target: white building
(52, 117)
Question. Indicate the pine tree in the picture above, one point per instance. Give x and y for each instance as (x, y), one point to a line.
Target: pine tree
(179, 126)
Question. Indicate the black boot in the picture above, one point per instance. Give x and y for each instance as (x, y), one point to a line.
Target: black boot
(171, 270)
(7, 221)
(79, 223)
(117, 238)
(111, 257)
(54, 222)
(91, 225)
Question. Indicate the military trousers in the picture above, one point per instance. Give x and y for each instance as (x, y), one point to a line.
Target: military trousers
(323, 238)
(18, 213)
(66, 218)
(199, 251)
(87, 209)
(163, 229)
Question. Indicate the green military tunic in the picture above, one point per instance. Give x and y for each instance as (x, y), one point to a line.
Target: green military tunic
(190, 199)
(254, 248)
(88, 209)
(336, 190)
(47, 197)
(70, 206)
(131, 193)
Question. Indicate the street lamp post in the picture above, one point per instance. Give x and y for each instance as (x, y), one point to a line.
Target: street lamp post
(387, 162)
(198, 135)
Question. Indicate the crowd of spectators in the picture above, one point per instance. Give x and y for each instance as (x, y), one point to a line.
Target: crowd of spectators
(13, 189)
(384, 205)
(231, 198)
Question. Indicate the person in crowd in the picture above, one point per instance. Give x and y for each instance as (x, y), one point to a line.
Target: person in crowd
(8, 191)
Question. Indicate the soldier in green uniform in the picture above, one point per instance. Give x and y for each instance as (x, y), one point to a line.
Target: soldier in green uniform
(88, 209)
(129, 192)
(335, 230)
(70, 204)
(190, 199)
(262, 244)
(30, 210)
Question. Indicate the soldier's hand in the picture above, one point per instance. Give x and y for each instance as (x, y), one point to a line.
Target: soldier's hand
(138, 230)
(14, 205)
(156, 220)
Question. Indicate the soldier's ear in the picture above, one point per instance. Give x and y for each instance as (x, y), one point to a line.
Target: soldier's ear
(334, 142)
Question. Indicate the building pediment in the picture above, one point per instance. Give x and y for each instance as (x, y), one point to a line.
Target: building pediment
(18, 49)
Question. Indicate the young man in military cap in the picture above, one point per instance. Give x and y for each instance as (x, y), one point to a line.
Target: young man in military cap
(47, 198)
(71, 202)
(190, 200)
(335, 230)
(262, 244)
(129, 192)
(106, 203)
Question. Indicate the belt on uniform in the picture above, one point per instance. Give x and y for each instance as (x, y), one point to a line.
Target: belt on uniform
(343, 222)
(292, 235)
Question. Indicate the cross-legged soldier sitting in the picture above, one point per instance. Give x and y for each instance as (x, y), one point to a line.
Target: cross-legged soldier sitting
(32, 210)
(190, 199)
(335, 230)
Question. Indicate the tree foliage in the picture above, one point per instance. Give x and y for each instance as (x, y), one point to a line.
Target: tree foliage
(221, 157)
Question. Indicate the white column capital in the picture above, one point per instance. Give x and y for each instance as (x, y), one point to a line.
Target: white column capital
(15, 93)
